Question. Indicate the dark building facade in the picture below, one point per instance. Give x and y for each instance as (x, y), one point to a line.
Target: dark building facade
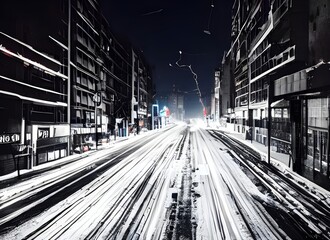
(176, 104)
(33, 89)
(142, 91)
(224, 95)
(306, 87)
(64, 75)
(280, 64)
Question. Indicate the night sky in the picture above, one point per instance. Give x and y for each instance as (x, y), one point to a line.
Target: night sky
(160, 29)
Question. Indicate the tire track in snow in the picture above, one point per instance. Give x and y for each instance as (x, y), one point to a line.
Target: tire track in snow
(303, 215)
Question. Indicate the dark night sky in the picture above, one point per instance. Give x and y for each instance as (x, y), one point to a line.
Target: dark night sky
(162, 28)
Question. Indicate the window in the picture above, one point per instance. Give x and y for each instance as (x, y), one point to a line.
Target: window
(84, 98)
(78, 77)
(78, 97)
(91, 84)
(83, 80)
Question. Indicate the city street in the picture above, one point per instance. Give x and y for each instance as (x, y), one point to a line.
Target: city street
(179, 182)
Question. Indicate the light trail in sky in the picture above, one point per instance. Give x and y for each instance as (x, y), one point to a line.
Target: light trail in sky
(153, 12)
(195, 77)
(207, 30)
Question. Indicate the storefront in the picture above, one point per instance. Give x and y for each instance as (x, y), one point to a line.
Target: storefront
(281, 127)
(49, 142)
(316, 139)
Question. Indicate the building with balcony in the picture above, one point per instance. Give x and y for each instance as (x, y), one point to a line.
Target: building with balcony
(176, 104)
(223, 91)
(142, 91)
(241, 12)
(86, 69)
(117, 68)
(34, 86)
(305, 86)
(281, 68)
(64, 76)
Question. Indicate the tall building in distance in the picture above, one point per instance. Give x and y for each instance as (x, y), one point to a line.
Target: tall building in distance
(64, 76)
(176, 104)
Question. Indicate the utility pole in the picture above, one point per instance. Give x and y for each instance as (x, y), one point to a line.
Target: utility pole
(69, 77)
(132, 97)
(270, 99)
(98, 102)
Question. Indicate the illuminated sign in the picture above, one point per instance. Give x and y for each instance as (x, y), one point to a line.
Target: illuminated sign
(165, 112)
(9, 138)
(43, 133)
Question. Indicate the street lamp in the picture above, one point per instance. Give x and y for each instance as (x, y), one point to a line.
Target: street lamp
(97, 99)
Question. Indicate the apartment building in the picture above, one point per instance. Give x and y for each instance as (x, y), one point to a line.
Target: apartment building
(306, 87)
(64, 76)
(142, 91)
(117, 67)
(34, 85)
(224, 91)
(280, 62)
(87, 74)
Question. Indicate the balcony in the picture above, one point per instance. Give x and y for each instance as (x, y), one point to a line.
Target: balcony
(279, 10)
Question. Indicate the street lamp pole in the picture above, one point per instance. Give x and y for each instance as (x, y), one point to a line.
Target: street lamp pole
(69, 78)
(96, 137)
(270, 99)
(97, 98)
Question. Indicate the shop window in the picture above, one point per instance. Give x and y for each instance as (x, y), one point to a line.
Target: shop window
(324, 151)
(56, 154)
(316, 150)
(63, 153)
(42, 158)
(310, 149)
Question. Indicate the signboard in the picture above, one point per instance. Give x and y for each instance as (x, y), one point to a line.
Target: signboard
(165, 112)
(277, 112)
(43, 133)
(9, 138)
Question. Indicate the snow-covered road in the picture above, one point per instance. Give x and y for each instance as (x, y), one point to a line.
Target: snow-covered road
(227, 206)
(182, 182)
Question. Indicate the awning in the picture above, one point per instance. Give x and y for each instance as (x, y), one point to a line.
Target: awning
(280, 103)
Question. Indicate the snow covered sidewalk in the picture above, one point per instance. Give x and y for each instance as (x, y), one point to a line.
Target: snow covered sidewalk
(261, 148)
(279, 160)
